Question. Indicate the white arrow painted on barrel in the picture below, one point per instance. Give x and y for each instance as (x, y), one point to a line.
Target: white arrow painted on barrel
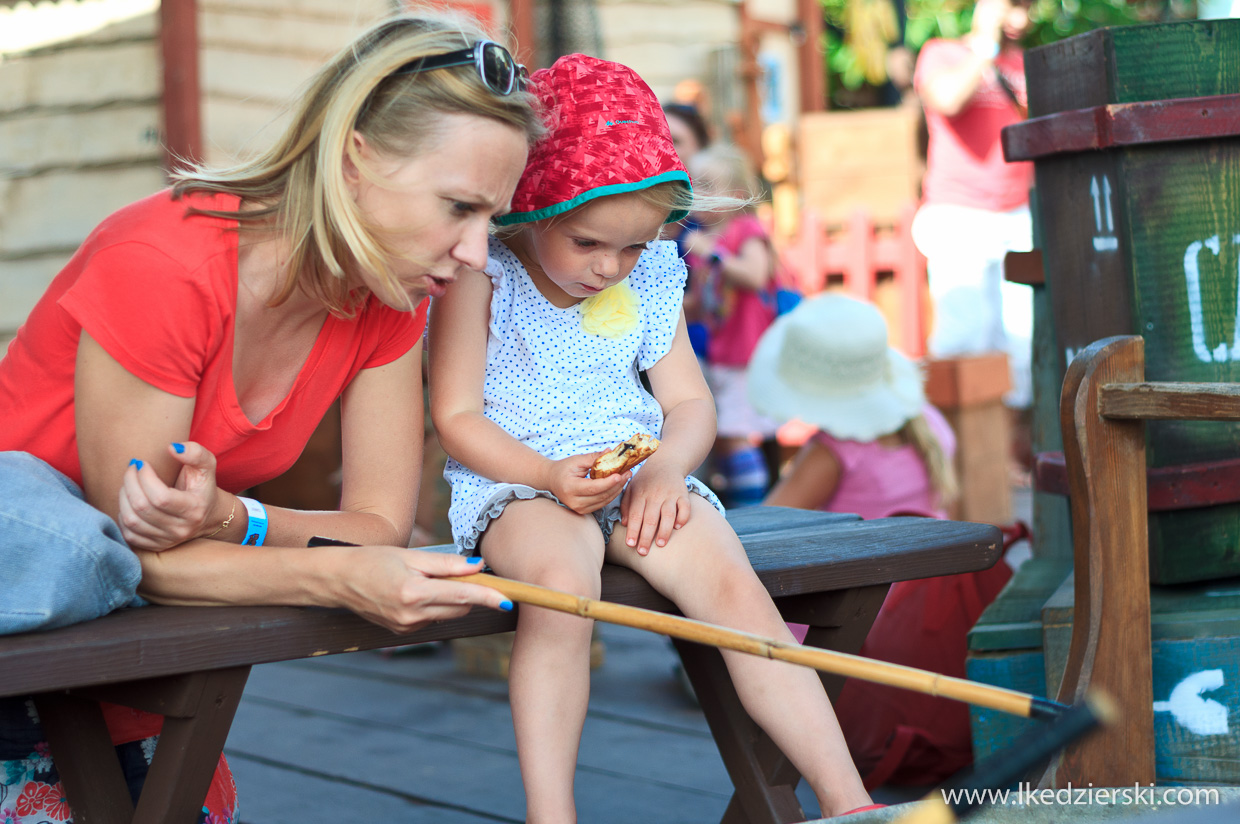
(1199, 715)
(1196, 312)
(1107, 242)
(1093, 190)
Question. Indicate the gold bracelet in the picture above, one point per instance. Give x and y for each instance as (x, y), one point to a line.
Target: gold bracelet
(227, 521)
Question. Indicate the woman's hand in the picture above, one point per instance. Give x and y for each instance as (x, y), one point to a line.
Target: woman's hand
(154, 516)
(568, 480)
(404, 589)
(655, 503)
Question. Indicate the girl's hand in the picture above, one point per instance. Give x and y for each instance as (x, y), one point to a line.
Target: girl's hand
(404, 589)
(656, 503)
(568, 480)
(154, 516)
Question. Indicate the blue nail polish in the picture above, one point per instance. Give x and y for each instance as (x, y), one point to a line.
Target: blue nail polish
(135, 462)
(474, 560)
(179, 448)
(506, 605)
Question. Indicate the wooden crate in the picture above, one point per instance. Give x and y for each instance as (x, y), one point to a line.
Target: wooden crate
(969, 392)
(1135, 138)
(860, 159)
(1195, 635)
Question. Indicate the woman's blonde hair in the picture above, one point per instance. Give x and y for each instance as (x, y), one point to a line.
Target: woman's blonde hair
(298, 183)
(918, 434)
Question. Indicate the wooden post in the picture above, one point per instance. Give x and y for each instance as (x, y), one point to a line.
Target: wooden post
(813, 84)
(747, 126)
(1110, 648)
(178, 40)
(969, 392)
(525, 33)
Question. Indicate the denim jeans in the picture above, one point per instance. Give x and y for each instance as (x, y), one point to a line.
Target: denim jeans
(61, 560)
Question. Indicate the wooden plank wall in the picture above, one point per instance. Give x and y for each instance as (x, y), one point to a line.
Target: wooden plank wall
(256, 53)
(81, 110)
(79, 133)
(666, 41)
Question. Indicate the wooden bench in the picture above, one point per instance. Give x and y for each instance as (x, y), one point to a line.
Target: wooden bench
(191, 663)
(1104, 403)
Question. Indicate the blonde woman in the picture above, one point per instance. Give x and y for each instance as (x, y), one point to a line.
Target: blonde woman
(192, 344)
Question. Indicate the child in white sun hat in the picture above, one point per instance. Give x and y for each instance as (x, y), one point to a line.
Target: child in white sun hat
(880, 449)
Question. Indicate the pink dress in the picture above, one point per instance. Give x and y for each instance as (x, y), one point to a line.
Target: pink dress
(877, 481)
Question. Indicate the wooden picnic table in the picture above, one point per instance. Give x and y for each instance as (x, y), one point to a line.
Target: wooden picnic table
(190, 664)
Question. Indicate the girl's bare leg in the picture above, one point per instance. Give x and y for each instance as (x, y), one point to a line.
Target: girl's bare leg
(541, 542)
(704, 571)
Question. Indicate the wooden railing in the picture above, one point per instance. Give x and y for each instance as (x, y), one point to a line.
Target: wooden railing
(861, 253)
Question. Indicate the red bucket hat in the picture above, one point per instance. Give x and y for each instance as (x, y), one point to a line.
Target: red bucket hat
(608, 136)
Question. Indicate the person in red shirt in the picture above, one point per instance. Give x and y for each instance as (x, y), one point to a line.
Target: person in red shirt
(194, 341)
(975, 206)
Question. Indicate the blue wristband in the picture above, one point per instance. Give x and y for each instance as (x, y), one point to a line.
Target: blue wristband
(256, 528)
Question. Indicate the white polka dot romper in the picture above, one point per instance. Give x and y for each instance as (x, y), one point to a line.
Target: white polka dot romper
(560, 390)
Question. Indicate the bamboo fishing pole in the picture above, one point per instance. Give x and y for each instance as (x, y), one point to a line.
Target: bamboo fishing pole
(839, 663)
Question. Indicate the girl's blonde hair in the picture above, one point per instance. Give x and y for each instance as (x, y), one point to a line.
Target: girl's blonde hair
(298, 183)
(918, 434)
(667, 197)
(726, 172)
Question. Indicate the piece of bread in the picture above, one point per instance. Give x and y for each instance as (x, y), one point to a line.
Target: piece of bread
(624, 456)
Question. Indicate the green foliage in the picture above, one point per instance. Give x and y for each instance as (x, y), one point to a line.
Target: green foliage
(1052, 20)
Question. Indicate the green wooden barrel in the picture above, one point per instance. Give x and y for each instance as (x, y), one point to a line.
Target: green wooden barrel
(1135, 137)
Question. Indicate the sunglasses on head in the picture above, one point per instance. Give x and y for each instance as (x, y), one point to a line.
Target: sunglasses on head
(495, 66)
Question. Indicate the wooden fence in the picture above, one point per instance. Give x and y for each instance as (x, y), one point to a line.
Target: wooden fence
(870, 262)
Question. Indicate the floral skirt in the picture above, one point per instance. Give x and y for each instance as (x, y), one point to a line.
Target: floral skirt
(30, 789)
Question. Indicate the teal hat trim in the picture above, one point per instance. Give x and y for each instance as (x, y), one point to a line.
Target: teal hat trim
(513, 218)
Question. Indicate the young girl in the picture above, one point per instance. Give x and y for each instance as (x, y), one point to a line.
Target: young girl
(880, 449)
(534, 371)
(733, 267)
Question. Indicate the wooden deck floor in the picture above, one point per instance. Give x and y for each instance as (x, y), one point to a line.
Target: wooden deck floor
(406, 738)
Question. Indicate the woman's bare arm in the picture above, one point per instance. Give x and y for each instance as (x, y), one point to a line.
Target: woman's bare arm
(121, 417)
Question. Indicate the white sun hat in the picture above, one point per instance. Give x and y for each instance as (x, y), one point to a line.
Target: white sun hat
(827, 363)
